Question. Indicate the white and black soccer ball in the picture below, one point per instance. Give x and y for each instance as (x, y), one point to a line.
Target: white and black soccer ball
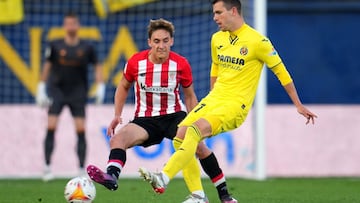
(80, 190)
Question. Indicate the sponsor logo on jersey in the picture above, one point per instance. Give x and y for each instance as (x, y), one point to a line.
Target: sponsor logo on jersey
(273, 52)
(231, 59)
(244, 51)
(156, 89)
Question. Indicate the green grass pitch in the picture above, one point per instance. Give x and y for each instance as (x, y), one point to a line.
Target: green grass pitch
(277, 190)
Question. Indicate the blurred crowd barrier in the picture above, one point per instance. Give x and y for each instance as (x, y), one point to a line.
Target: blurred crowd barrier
(328, 148)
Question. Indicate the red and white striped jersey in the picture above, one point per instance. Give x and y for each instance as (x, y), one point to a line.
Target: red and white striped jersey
(157, 85)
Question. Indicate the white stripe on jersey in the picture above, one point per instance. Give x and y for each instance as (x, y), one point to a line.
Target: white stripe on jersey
(156, 82)
(141, 80)
(172, 81)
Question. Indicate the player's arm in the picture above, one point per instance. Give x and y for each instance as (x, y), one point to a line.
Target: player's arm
(98, 74)
(45, 71)
(121, 94)
(42, 98)
(214, 65)
(49, 57)
(266, 53)
(100, 85)
(190, 97)
(285, 79)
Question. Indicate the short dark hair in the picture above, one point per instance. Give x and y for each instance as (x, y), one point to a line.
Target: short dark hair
(160, 24)
(229, 4)
(71, 15)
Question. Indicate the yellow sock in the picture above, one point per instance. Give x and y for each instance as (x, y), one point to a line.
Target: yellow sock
(191, 172)
(184, 154)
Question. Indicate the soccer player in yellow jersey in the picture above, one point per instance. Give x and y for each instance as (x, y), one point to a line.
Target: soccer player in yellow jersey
(238, 55)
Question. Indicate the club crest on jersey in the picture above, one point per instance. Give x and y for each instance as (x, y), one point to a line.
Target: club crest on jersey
(62, 52)
(172, 76)
(79, 52)
(244, 51)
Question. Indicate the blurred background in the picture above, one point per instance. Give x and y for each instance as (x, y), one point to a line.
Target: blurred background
(318, 41)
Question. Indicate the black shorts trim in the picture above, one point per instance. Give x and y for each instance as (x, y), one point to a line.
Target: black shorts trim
(159, 127)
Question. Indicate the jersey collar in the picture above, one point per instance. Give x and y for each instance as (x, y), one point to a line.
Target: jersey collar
(238, 31)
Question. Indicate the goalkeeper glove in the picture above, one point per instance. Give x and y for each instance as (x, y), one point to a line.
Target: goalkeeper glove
(100, 93)
(42, 98)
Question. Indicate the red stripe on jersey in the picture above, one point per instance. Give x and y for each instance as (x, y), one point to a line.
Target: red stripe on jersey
(148, 83)
(157, 85)
(164, 83)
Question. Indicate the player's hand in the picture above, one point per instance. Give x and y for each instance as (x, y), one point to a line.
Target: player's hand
(115, 122)
(307, 114)
(100, 93)
(41, 97)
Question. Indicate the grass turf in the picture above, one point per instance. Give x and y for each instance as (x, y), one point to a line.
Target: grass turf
(281, 190)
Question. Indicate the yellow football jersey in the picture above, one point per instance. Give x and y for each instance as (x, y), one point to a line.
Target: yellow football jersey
(237, 61)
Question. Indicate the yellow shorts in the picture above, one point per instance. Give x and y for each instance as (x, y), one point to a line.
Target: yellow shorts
(223, 115)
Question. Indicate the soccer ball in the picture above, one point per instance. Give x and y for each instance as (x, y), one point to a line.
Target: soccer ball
(80, 190)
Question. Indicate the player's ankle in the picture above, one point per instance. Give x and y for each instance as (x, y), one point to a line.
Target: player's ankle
(199, 193)
(165, 178)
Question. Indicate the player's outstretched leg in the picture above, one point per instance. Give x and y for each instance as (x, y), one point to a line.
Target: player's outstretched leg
(117, 160)
(97, 175)
(156, 180)
(211, 167)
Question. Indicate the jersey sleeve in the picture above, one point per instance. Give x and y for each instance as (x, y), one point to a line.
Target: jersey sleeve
(129, 72)
(214, 60)
(50, 52)
(186, 75)
(282, 74)
(267, 53)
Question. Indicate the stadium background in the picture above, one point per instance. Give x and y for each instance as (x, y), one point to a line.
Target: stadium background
(316, 39)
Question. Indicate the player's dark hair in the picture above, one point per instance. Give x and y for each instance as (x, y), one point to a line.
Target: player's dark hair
(71, 15)
(229, 4)
(160, 24)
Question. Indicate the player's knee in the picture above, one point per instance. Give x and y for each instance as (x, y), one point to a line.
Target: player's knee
(52, 123)
(180, 134)
(204, 126)
(124, 139)
(119, 140)
(202, 151)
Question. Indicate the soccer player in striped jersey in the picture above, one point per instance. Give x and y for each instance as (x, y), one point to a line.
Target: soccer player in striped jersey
(157, 74)
(238, 55)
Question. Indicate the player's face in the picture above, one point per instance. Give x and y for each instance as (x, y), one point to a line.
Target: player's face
(222, 16)
(160, 44)
(71, 26)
